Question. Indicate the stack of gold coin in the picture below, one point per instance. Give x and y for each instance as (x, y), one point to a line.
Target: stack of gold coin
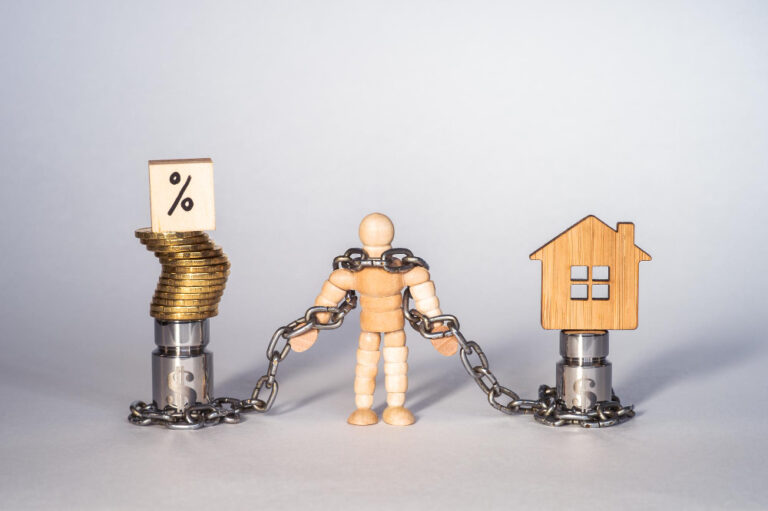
(193, 278)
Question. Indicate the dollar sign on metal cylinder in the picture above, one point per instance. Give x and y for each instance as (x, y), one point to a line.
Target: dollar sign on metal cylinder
(584, 374)
(182, 369)
(194, 274)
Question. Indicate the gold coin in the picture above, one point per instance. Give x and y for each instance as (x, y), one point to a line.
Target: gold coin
(183, 308)
(172, 268)
(194, 272)
(177, 279)
(179, 310)
(173, 295)
(210, 261)
(157, 246)
(145, 233)
(201, 254)
(190, 289)
(192, 302)
(184, 240)
(214, 303)
(160, 250)
(196, 316)
(170, 295)
(192, 282)
(202, 276)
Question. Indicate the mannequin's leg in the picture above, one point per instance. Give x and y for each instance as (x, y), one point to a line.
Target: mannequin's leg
(396, 379)
(365, 379)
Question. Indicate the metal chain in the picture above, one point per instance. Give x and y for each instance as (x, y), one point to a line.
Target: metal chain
(546, 410)
(605, 413)
(355, 259)
(228, 410)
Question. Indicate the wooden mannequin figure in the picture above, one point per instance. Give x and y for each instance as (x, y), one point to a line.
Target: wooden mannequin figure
(381, 316)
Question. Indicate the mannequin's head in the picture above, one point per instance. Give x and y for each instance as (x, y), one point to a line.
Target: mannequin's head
(376, 233)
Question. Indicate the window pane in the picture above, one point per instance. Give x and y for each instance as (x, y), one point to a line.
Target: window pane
(578, 291)
(600, 291)
(600, 273)
(579, 273)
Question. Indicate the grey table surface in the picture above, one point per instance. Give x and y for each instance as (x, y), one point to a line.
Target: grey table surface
(698, 440)
(483, 129)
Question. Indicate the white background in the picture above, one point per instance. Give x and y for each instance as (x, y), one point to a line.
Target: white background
(483, 129)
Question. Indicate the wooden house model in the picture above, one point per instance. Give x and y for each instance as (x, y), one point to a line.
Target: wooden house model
(589, 277)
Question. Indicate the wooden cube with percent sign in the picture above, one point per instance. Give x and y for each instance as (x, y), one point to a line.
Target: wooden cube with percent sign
(181, 195)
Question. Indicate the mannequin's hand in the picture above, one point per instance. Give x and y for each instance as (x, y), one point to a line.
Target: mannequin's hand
(304, 341)
(446, 346)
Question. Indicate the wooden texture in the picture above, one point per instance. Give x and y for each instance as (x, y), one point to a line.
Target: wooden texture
(381, 314)
(181, 195)
(376, 232)
(590, 242)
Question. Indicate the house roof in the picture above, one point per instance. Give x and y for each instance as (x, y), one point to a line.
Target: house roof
(644, 256)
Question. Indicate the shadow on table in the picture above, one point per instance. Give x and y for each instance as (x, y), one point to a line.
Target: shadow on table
(314, 361)
(430, 382)
(508, 364)
(696, 359)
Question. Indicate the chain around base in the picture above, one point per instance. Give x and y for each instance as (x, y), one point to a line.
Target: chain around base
(228, 410)
(223, 409)
(553, 412)
(547, 409)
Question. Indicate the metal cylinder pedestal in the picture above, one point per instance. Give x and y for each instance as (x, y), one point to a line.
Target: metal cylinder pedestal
(584, 374)
(182, 370)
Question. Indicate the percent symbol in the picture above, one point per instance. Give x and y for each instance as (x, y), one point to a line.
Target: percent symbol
(187, 203)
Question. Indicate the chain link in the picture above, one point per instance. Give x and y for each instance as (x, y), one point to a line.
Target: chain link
(547, 409)
(355, 259)
(228, 410)
(605, 413)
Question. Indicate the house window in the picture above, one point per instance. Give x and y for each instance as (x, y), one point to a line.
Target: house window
(599, 282)
(600, 292)
(579, 272)
(578, 291)
(600, 273)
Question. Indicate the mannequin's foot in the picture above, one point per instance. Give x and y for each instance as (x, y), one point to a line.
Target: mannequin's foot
(398, 416)
(363, 417)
